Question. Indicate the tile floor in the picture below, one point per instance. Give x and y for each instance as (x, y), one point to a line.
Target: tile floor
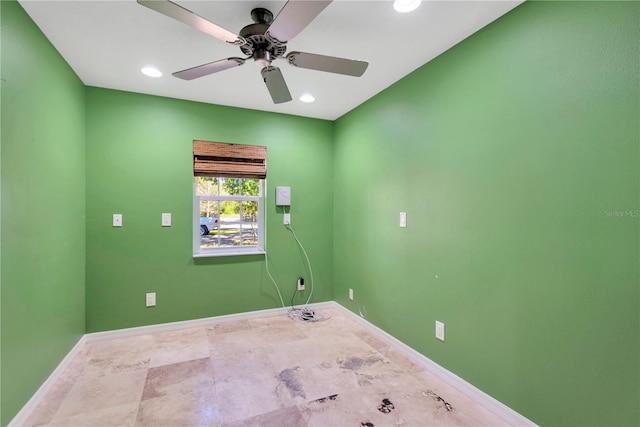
(267, 372)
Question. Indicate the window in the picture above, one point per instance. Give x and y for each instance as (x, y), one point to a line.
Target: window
(228, 199)
(229, 212)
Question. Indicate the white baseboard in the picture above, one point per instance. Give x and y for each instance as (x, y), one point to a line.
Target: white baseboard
(21, 417)
(184, 324)
(195, 323)
(478, 396)
(485, 401)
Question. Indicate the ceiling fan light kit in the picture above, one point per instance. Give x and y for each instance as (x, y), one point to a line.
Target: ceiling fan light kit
(263, 41)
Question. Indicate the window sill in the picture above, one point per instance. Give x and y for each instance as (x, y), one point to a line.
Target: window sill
(231, 252)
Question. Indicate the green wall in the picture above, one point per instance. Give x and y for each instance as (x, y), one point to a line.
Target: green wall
(43, 205)
(516, 157)
(139, 163)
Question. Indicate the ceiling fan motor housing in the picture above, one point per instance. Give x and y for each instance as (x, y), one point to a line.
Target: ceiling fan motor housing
(258, 44)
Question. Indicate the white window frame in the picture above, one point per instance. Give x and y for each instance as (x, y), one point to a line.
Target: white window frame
(199, 252)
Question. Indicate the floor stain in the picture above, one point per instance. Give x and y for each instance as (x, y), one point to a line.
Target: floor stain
(366, 424)
(355, 363)
(437, 398)
(386, 406)
(364, 379)
(326, 398)
(288, 378)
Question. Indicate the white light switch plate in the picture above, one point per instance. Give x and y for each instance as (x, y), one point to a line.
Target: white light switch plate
(151, 299)
(117, 220)
(403, 219)
(440, 330)
(166, 220)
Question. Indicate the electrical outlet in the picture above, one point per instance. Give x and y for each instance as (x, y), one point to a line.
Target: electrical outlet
(351, 294)
(287, 219)
(117, 220)
(440, 330)
(300, 283)
(403, 220)
(151, 299)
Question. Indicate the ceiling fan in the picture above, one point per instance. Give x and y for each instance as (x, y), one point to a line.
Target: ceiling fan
(265, 40)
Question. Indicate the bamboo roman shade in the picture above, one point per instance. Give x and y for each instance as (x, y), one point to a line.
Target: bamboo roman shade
(229, 160)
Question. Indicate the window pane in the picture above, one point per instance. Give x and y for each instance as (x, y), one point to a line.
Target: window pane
(251, 187)
(209, 223)
(206, 186)
(230, 207)
(249, 225)
(209, 209)
(230, 229)
(232, 186)
(240, 186)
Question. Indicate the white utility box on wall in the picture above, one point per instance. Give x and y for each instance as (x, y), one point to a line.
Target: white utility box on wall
(283, 196)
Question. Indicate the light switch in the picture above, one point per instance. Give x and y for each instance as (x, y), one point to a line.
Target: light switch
(166, 220)
(151, 299)
(117, 220)
(440, 330)
(403, 219)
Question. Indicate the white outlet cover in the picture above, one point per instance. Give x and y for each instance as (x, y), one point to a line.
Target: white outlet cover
(351, 294)
(287, 219)
(117, 220)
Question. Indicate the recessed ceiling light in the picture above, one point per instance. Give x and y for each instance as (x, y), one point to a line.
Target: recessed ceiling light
(307, 97)
(406, 5)
(151, 71)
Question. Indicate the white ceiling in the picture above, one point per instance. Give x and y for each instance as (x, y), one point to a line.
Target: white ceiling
(107, 42)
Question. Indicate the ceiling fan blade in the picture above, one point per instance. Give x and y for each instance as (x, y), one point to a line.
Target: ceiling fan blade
(275, 83)
(294, 16)
(331, 64)
(210, 68)
(175, 11)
